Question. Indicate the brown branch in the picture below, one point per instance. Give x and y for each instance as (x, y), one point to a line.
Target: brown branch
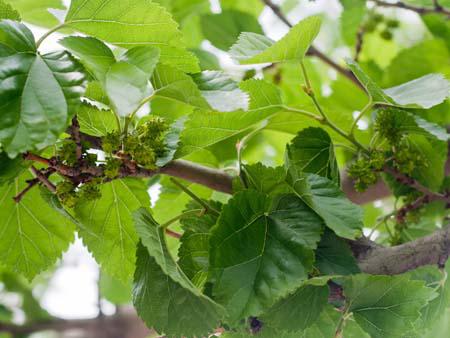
(419, 10)
(124, 324)
(312, 50)
(31, 184)
(43, 179)
(74, 131)
(359, 42)
(430, 250)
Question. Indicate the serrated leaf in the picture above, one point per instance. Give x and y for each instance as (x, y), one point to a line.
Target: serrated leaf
(162, 289)
(264, 179)
(8, 12)
(96, 56)
(386, 306)
(424, 92)
(223, 29)
(108, 230)
(431, 170)
(132, 23)
(327, 199)
(205, 129)
(264, 96)
(312, 151)
(222, 93)
(33, 235)
(10, 168)
(94, 121)
(37, 11)
(114, 291)
(39, 92)
(412, 124)
(261, 252)
(171, 141)
(299, 310)
(172, 84)
(193, 253)
(144, 57)
(253, 48)
(334, 257)
(127, 86)
(15, 37)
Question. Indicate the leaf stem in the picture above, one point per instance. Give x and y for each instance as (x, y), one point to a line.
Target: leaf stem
(324, 118)
(361, 114)
(195, 197)
(48, 33)
(129, 118)
(196, 212)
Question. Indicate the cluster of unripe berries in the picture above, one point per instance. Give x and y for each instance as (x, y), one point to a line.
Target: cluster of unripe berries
(144, 145)
(397, 153)
(385, 26)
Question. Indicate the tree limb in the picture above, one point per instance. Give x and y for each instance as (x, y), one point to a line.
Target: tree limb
(419, 10)
(377, 260)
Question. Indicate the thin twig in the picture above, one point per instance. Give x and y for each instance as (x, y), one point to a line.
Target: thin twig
(76, 137)
(312, 50)
(195, 197)
(173, 234)
(43, 179)
(31, 184)
(419, 10)
(359, 42)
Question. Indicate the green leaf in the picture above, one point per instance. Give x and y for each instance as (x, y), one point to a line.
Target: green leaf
(334, 257)
(94, 54)
(351, 18)
(222, 93)
(144, 57)
(39, 92)
(208, 61)
(431, 170)
(412, 124)
(327, 199)
(312, 151)
(161, 289)
(205, 129)
(261, 251)
(35, 110)
(171, 141)
(37, 11)
(108, 230)
(386, 306)
(253, 48)
(94, 114)
(424, 92)
(132, 23)
(172, 84)
(10, 168)
(70, 76)
(114, 291)
(15, 37)
(95, 121)
(253, 7)
(8, 12)
(127, 86)
(264, 96)
(223, 29)
(33, 236)
(299, 310)
(194, 244)
(264, 179)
